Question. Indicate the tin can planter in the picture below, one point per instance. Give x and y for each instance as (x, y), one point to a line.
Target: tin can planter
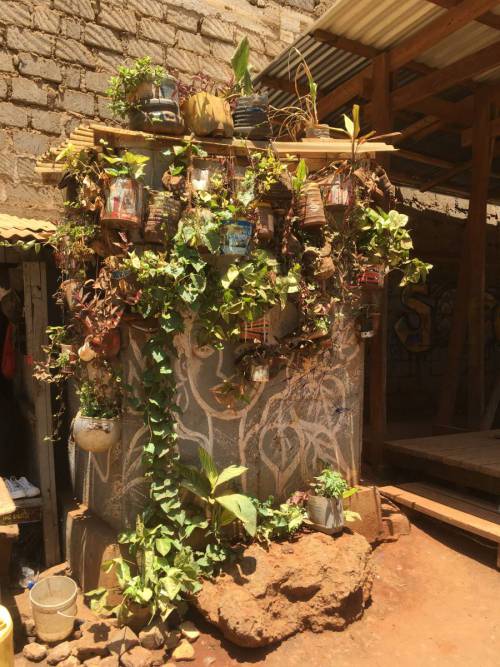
(371, 276)
(311, 206)
(326, 514)
(124, 205)
(256, 331)
(163, 216)
(251, 117)
(96, 434)
(339, 192)
(207, 115)
(266, 222)
(158, 110)
(236, 237)
(320, 131)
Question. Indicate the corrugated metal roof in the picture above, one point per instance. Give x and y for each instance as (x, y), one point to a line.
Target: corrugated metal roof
(14, 229)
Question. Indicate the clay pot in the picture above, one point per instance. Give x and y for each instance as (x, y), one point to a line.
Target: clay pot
(251, 117)
(256, 331)
(95, 434)
(321, 131)
(327, 514)
(236, 237)
(311, 206)
(124, 205)
(265, 225)
(158, 108)
(208, 115)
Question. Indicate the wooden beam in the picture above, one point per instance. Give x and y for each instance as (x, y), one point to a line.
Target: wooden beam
(488, 18)
(354, 87)
(286, 85)
(454, 113)
(456, 72)
(494, 132)
(425, 159)
(445, 176)
(345, 44)
(414, 128)
(442, 26)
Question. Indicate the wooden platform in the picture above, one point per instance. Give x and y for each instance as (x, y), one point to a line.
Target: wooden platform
(464, 512)
(468, 459)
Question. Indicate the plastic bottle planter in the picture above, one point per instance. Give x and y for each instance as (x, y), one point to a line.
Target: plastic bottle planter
(124, 204)
(339, 192)
(259, 373)
(202, 172)
(236, 236)
(321, 132)
(251, 117)
(208, 116)
(158, 108)
(326, 514)
(256, 331)
(96, 434)
(265, 225)
(371, 276)
(311, 205)
(163, 215)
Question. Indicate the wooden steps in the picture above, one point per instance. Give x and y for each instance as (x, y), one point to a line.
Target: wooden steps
(465, 512)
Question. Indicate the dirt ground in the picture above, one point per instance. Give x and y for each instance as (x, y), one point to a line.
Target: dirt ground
(436, 601)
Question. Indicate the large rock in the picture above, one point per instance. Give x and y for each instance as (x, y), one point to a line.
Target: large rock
(316, 582)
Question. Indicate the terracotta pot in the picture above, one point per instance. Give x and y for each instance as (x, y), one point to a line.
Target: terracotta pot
(158, 110)
(208, 115)
(265, 225)
(256, 331)
(124, 205)
(320, 131)
(95, 434)
(327, 514)
(236, 237)
(311, 205)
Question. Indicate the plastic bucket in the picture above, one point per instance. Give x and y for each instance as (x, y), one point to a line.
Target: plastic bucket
(6, 639)
(53, 601)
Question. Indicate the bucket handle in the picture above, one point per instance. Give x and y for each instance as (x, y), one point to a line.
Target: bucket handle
(66, 615)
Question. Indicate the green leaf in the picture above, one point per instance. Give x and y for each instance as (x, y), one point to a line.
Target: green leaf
(231, 472)
(355, 118)
(240, 60)
(208, 467)
(242, 508)
(163, 545)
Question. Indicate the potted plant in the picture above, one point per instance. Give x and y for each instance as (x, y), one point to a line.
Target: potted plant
(325, 503)
(124, 204)
(164, 212)
(207, 113)
(148, 96)
(97, 425)
(251, 112)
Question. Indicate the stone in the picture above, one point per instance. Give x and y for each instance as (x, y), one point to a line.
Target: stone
(103, 108)
(136, 657)
(35, 652)
(97, 35)
(72, 661)
(16, 13)
(59, 653)
(46, 20)
(41, 67)
(315, 583)
(117, 18)
(81, 8)
(74, 52)
(141, 47)
(93, 662)
(152, 637)
(183, 19)
(79, 102)
(26, 90)
(30, 41)
(13, 115)
(214, 27)
(149, 8)
(158, 32)
(47, 121)
(190, 42)
(121, 640)
(29, 623)
(98, 82)
(6, 63)
(110, 661)
(94, 641)
(184, 651)
(189, 631)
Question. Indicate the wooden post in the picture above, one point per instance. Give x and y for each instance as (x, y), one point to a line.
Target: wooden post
(35, 306)
(381, 122)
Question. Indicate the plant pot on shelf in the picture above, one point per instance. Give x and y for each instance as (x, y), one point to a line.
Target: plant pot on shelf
(124, 204)
(236, 236)
(207, 115)
(158, 108)
(326, 514)
(256, 331)
(96, 434)
(266, 221)
(320, 131)
(311, 206)
(251, 117)
(164, 213)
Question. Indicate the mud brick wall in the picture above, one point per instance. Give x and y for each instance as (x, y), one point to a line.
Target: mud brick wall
(56, 57)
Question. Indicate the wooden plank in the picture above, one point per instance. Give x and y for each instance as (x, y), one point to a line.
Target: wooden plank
(425, 159)
(442, 26)
(489, 18)
(344, 93)
(286, 85)
(414, 128)
(440, 506)
(494, 132)
(435, 82)
(345, 44)
(454, 113)
(492, 406)
(35, 307)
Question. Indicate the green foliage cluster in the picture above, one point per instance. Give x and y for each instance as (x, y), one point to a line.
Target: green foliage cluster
(277, 523)
(123, 86)
(331, 484)
(97, 404)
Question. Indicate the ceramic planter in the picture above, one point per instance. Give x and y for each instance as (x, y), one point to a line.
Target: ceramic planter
(251, 117)
(158, 110)
(311, 206)
(207, 115)
(94, 434)
(327, 514)
(124, 205)
(320, 131)
(256, 331)
(236, 237)
(265, 225)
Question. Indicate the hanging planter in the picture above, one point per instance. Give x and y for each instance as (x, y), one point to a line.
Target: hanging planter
(96, 434)
(311, 206)
(207, 115)
(256, 331)
(371, 276)
(156, 107)
(327, 514)
(202, 172)
(251, 117)
(124, 204)
(236, 236)
(164, 213)
(339, 192)
(266, 221)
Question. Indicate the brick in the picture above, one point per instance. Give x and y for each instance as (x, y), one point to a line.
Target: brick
(81, 8)
(184, 61)
(103, 108)
(6, 62)
(72, 77)
(97, 35)
(150, 8)
(213, 27)
(74, 52)
(29, 143)
(110, 61)
(26, 90)
(47, 121)
(30, 41)
(40, 67)
(139, 48)
(190, 42)
(10, 114)
(79, 102)
(7, 166)
(183, 19)
(46, 20)
(97, 81)
(71, 28)
(15, 13)
(158, 32)
(118, 18)
(25, 168)
(3, 88)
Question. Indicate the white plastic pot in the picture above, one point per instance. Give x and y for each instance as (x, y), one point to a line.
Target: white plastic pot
(327, 514)
(53, 602)
(95, 434)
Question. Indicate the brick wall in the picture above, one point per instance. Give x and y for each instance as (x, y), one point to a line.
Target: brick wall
(56, 57)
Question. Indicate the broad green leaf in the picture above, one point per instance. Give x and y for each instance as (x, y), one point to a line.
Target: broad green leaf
(163, 545)
(239, 61)
(242, 508)
(229, 473)
(208, 466)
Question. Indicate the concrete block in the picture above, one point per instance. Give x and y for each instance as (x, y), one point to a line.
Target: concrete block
(8, 168)
(158, 32)
(10, 114)
(79, 102)
(97, 81)
(141, 47)
(110, 61)
(31, 41)
(74, 52)
(71, 28)
(150, 8)
(184, 61)
(15, 13)
(29, 143)
(222, 50)
(366, 502)
(104, 38)
(26, 90)
(39, 67)
(214, 27)
(190, 42)
(46, 20)
(73, 77)
(6, 62)
(3, 88)
(26, 169)
(103, 108)
(183, 19)
(47, 121)
(81, 8)
(117, 17)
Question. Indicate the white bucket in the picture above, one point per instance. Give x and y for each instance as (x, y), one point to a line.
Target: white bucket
(53, 601)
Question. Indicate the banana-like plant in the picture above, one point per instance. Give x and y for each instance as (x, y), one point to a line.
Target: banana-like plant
(222, 506)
